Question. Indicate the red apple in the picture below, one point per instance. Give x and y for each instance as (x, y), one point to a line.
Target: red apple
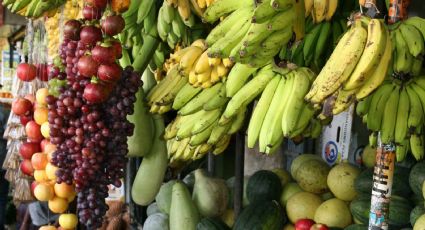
(319, 227)
(33, 185)
(42, 72)
(21, 106)
(26, 167)
(25, 119)
(26, 72)
(304, 224)
(43, 144)
(27, 149)
(30, 97)
(33, 131)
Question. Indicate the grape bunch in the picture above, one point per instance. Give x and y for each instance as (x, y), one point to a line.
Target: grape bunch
(88, 117)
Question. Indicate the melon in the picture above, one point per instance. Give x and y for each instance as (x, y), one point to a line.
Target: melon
(288, 191)
(420, 223)
(302, 205)
(369, 157)
(333, 213)
(341, 181)
(298, 161)
(283, 175)
(312, 176)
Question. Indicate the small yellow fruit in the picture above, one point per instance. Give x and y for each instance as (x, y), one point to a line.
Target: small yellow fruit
(43, 192)
(45, 129)
(68, 221)
(64, 190)
(47, 227)
(40, 95)
(40, 115)
(51, 171)
(58, 205)
(40, 175)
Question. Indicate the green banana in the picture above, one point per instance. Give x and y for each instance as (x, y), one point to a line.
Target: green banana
(200, 99)
(362, 106)
(260, 111)
(218, 133)
(220, 8)
(401, 150)
(294, 103)
(401, 125)
(208, 118)
(263, 12)
(185, 95)
(203, 136)
(218, 101)
(377, 106)
(225, 26)
(304, 119)
(321, 41)
(282, 20)
(237, 123)
(237, 77)
(417, 146)
(282, 4)
(247, 93)
(389, 117)
(413, 38)
(416, 112)
(144, 9)
(403, 59)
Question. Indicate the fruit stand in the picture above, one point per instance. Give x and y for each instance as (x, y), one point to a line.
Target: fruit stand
(214, 114)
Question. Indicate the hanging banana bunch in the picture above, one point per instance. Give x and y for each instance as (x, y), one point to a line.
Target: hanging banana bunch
(397, 111)
(342, 81)
(320, 10)
(33, 8)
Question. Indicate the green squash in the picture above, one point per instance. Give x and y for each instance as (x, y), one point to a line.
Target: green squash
(157, 221)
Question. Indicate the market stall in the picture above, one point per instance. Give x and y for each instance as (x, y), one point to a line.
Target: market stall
(215, 114)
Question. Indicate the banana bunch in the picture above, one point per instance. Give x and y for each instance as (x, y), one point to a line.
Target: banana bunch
(196, 129)
(317, 45)
(408, 44)
(281, 111)
(396, 110)
(33, 8)
(250, 35)
(320, 10)
(70, 10)
(354, 69)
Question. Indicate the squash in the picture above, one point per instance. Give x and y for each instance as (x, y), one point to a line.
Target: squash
(299, 160)
(262, 215)
(210, 195)
(289, 190)
(211, 224)
(263, 185)
(163, 198)
(183, 213)
(341, 181)
(152, 209)
(333, 213)
(151, 172)
(302, 205)
(157, 221)
(312, 176)
(417, 177)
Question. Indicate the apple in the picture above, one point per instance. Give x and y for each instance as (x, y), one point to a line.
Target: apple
(47, 227)
(43, 192)
(40, 176)
(30, 97)
(40, 115)
(43, 144)
(21, 106)
(25, 119)
(40, 96)
(27, 149)
(39, 161)
(319, 227)
(26, 72)
(26, 167)
(64, 190)
(58, 205)
(33, 131)
(68, 220)
(304, 224)
(33, 185)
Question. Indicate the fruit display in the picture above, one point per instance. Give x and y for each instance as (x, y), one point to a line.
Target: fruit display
(33, 8)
